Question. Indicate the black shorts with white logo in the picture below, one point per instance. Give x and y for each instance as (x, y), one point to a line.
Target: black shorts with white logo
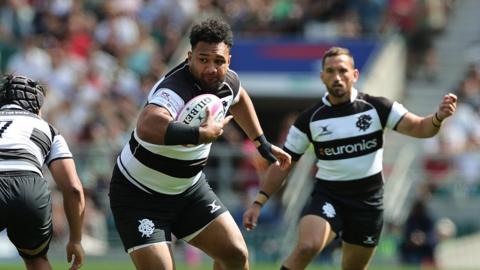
(354, 209)
(26, 212)
(142, 218)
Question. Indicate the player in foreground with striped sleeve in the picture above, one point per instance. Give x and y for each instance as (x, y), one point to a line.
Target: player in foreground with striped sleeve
(27, 143)
(158, 187)
(346, 128)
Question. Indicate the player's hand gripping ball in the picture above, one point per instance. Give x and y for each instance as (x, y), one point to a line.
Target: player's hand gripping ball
(194, 111)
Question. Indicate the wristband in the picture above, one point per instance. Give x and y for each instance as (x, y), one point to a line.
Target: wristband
(436, 117)
(259, 203)
(262, 198)
(264, 193)
(265, 148)
(179, 133)
(436, 122)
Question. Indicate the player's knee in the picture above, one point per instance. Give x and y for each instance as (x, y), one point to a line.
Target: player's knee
(236, 257)
(309, 249)
(37, 262)
(240, 252)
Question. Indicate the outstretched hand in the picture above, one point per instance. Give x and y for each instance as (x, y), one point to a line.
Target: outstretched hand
(210, 129)
(75, 255)
(447, 107)
(250, 217)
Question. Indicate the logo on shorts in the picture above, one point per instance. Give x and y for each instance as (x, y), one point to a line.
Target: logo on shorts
(369, 240)
(214, 206)
(328, 210)
(146, 227)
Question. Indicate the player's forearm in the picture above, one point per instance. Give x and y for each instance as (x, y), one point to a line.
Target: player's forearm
(431, 125)
(419, 127)
(273, 182)
(428, 127)
(74, 205)
(244, 114)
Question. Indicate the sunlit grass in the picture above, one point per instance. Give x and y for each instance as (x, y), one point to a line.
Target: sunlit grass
(127, 265)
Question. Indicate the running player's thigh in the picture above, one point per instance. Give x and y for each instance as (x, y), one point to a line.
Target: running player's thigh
(152, 257)
(221, 238)
(356, 257)
(315, 231)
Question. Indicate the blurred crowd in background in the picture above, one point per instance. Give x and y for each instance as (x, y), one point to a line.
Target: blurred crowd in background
(100, 58)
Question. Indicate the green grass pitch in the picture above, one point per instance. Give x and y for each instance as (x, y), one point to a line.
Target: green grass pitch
(127, 265)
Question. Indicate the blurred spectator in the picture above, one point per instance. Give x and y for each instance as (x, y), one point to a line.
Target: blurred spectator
(30, 60)
(445, 228)
(95, 228)
(458, 144)
(94, 235)
(419, 237)
(16, 17)
(420, 21)
(469, 88)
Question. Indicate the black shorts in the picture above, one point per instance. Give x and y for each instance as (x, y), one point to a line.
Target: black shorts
(26, 212)
(354, 209)
(143, 218)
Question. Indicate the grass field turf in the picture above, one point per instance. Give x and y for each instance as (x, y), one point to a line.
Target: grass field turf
(127, 265)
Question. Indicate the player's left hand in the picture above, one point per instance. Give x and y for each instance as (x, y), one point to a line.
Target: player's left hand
(250, 217)
(447, 107)
(210, 129)
(284, 160)
(75, 255)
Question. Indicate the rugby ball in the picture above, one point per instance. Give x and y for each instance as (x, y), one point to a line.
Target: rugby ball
(194, 111)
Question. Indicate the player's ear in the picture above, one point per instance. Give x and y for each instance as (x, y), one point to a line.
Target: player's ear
(189, 56)
(356, 74)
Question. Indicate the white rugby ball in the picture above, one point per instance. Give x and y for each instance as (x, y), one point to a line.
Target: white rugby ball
(194, 111)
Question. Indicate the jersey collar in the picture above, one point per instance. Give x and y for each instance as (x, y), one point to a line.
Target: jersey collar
(11, 106)
(353, 96)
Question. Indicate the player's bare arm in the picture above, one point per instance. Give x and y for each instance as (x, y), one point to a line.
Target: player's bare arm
(66, 178)
(273, 181)
(152, 124)
(244, 114)
(154, 121)
(425, 127)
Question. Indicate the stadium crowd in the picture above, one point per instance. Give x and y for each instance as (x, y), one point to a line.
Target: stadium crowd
(99, 59)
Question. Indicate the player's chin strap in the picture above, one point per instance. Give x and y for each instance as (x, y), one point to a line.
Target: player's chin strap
(265, 148)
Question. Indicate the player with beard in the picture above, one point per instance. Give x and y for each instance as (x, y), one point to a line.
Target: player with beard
(158, 187)
(346, 129)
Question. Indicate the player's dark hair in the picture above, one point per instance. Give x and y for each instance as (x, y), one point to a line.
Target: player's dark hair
(211, 31)
(22, 91)
(336, 51)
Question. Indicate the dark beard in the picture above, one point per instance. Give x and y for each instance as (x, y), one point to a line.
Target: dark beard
(210, 88)
(337, 94)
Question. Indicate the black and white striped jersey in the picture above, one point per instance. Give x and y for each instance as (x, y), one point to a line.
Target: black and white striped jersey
(347, 138)
(27, 142)
(171, 169)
